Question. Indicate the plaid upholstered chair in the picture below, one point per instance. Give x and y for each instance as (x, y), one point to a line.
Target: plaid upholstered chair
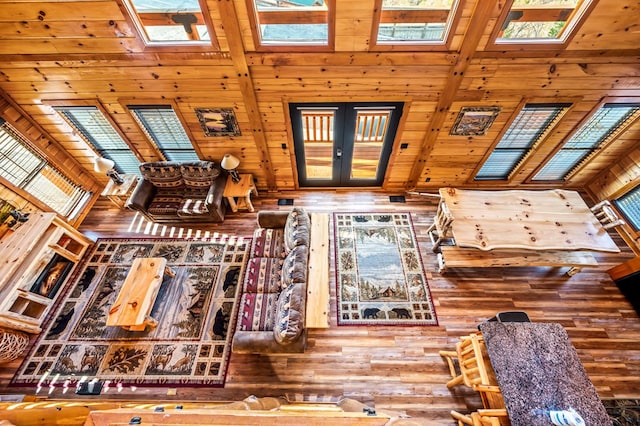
(189, 191)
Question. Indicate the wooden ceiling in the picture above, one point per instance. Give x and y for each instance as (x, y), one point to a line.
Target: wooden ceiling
(88, 51)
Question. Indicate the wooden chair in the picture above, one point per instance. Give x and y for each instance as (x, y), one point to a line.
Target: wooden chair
(476, 371)
(482, 418)
(441, 227)
(607, 216)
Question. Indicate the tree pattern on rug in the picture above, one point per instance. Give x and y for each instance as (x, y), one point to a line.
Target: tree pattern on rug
(379, 271)
(195, 310)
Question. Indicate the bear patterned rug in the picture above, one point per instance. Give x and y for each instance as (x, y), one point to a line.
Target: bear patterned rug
(379, 275)
(195, 310)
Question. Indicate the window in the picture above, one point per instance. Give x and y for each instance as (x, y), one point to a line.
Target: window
(163, 22)
(161, 124)
(27, 169)
(540, 21)
(629, 206)
(601, 128)
(102, 136)
(529, 128)
(414, 22)
(290, 23)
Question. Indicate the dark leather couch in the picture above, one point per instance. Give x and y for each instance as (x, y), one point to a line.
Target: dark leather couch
(187, 191)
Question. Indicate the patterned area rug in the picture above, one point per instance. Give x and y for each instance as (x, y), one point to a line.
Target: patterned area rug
(195, 309)
(379, 271)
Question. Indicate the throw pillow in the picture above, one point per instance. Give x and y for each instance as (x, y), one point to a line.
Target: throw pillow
(289, 314)
(296, 229)
(294, 268)
(199, 174)
(163, 174)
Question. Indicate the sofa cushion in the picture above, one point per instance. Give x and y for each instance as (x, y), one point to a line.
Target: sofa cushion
(296, 230)
(289, 320)
(163, 174)
(192, 207)
(268, 242)
(199, 174)
(262, 275)
(164, 205)
(294, 268)
(257, 311)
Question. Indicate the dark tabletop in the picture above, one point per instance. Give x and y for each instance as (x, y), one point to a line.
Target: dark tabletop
(538, 369)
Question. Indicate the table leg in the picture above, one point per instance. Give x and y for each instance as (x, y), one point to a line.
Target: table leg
(232, 204)
(247, 201)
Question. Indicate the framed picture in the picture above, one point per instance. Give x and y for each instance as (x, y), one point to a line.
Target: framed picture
(218, 121)
(474, 121)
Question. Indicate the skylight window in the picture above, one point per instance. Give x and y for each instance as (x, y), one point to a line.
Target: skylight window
(629, 205)
(531, 126)
(600, 128)
(540, 21)
(161, 124)
(102, 136)
(170, 22)
(295, 22)
(414, 21)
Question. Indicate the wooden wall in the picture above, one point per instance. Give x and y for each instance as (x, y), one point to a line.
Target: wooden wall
(87, 50)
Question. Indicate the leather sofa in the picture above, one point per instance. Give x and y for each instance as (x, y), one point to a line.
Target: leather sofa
(271, 316)
(188, 191)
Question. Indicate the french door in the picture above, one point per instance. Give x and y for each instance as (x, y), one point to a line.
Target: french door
(343, 144)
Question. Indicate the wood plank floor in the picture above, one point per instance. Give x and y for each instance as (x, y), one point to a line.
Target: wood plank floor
(399, 368)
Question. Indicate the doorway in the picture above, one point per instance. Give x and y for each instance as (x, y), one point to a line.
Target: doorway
(343, 144)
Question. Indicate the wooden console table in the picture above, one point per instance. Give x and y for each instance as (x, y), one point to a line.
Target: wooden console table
(132, 308)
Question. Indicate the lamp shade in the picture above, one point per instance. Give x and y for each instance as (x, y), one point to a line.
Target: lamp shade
(102, 165)
(229, 162)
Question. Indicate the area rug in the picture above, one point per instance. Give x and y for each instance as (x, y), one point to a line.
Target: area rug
(379, 274)
(195, 310)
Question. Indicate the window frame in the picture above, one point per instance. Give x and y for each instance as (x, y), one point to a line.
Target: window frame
(130, 104)
(284, 46)
(451, 23)
(594, 151)
(74, 201)
(137, 23)
(625, 214)
(61, 104)
(535, 144)
(573, 24)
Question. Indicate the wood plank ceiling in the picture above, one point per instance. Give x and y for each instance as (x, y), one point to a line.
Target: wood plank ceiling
(89, 51)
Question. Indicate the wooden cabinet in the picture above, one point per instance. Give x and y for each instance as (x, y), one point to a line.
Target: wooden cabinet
(35, 263)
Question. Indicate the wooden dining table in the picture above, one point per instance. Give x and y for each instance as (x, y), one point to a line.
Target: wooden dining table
(538, 370)
(554, 219)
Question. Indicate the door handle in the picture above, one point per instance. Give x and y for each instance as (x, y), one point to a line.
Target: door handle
(339, 153)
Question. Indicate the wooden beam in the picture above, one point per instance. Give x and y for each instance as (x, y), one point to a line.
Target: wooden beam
(234, 38)
(481, 15)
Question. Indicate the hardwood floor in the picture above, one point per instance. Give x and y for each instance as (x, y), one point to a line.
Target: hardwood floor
(399, 368)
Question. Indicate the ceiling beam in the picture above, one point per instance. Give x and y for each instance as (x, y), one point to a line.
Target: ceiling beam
(233, 33)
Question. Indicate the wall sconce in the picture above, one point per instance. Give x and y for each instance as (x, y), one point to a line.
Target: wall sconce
(104, 165)
(230, 164)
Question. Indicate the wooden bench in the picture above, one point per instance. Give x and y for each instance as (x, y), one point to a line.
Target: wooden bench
(317, 307)
(456, 257)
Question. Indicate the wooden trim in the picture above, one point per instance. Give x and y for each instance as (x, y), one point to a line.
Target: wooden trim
(234, 36)
(482, 13)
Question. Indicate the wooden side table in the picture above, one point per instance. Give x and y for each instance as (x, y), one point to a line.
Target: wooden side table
(119, 194)
(241, 190)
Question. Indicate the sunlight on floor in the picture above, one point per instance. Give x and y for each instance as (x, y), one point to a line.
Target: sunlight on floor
(140, 225)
